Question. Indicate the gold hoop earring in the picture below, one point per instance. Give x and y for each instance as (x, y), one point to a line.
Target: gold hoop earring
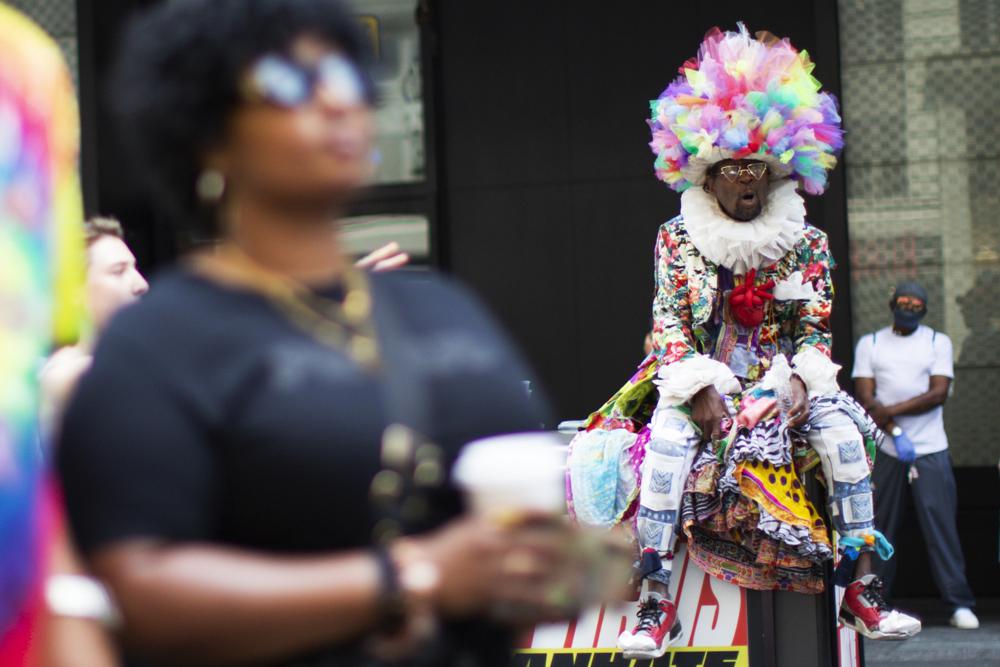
(210, 186)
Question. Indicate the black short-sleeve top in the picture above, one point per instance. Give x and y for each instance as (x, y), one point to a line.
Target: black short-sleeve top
(208, 416)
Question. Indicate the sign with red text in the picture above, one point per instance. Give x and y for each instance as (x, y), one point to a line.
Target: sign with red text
(712, 612)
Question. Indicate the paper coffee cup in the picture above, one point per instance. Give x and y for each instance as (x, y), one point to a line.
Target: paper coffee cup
(506, 474)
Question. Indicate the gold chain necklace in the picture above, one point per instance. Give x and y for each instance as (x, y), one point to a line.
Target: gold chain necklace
(346, 326)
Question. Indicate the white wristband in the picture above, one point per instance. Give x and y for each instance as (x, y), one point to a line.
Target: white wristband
(77, 596)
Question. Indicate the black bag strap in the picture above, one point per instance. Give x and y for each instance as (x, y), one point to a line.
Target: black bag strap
(406, 448)
(404, 387)
(414, 468)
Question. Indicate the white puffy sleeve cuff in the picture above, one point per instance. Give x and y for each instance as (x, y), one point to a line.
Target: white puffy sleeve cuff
(817, 371)
(681, 380)
(778, 375)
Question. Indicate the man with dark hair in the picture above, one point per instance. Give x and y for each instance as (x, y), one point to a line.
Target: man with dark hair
(902, 376)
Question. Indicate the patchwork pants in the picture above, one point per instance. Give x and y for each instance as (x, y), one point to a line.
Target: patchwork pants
(674, 443)
(672, 447)
(834, 435)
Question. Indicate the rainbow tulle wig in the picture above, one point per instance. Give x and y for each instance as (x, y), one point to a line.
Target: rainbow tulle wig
(742, 98)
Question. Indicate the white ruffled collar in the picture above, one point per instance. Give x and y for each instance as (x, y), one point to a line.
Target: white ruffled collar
(740, 246)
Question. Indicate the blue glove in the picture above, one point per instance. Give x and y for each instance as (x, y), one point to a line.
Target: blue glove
(904, 448)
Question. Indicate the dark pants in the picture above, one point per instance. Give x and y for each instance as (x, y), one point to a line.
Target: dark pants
(936, 499)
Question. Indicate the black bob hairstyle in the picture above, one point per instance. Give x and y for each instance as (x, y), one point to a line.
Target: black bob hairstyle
(176, 83)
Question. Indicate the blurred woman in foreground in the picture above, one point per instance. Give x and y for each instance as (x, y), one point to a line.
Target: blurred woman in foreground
(221, 456)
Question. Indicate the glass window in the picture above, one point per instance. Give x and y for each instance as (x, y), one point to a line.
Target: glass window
(922, 111)
(392, 27)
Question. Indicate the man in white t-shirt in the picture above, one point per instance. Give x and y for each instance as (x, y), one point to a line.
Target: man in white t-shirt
(902, 376)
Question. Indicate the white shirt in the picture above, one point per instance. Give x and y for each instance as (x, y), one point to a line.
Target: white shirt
(902, 367)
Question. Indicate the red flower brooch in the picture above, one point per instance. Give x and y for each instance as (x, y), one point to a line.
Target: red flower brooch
(746, 301)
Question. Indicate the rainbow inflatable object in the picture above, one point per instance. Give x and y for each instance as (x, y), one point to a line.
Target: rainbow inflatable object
(41, 269)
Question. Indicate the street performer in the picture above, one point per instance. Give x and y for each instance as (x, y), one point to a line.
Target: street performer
(747, 399)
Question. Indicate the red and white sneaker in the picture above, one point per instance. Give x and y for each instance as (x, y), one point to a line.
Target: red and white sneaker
(866, 611)
(657, 630)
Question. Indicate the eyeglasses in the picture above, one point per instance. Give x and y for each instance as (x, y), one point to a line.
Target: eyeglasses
(732, 172)
(288, 83)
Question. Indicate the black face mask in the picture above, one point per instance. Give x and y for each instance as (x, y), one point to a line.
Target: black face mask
(907, 319)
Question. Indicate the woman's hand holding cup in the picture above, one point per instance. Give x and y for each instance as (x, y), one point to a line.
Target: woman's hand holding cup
(516, 557)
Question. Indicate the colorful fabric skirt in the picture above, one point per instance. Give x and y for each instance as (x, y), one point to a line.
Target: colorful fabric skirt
(747, 517)
(745, 512)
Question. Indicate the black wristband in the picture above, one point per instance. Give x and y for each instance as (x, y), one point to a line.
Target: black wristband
(391, 602)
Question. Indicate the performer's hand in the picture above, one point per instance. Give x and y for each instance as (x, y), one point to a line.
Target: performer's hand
(798, 411)
(707, 411)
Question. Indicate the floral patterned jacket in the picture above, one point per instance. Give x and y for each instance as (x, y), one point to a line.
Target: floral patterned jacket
(688, 299)
(689, 318)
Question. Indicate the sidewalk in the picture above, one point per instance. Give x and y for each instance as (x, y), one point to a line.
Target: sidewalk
(939, 644)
